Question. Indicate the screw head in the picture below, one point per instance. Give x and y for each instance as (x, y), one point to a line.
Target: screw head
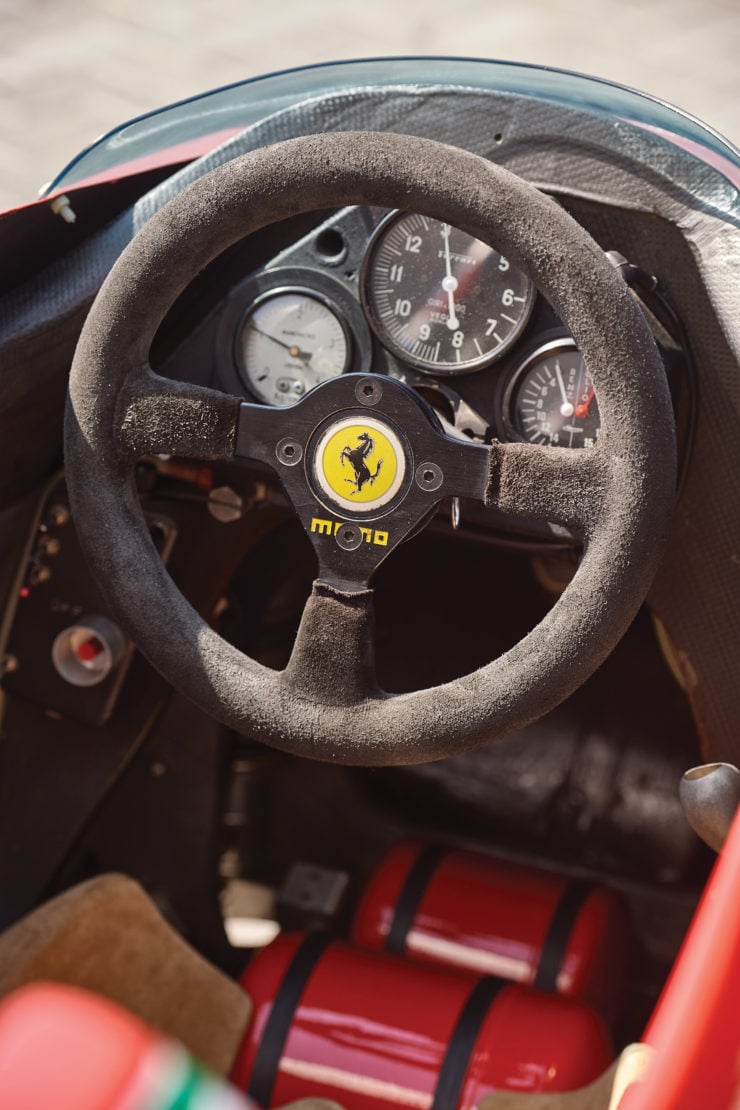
(349, 537)
(368, 391)
(429, 477)
(289, 451)
(225, 504)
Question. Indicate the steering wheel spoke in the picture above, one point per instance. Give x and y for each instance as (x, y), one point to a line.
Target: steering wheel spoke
(560, 485)
(333, 659)
(156, 416)
(460, 468)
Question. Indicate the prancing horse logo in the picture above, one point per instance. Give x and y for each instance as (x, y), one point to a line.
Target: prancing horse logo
(357, 457)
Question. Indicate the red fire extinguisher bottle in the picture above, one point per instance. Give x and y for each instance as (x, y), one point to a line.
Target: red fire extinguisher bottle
(465, 910)
(375, 1032)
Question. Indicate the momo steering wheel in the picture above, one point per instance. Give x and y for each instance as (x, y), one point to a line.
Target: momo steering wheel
(615, 497)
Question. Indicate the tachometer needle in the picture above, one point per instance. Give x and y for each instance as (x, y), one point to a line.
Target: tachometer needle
(293, 351)
(566, 409)
(449, 283)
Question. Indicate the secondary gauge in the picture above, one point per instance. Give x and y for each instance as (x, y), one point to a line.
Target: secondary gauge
(289, 341)
(441, 300)
(551, 399)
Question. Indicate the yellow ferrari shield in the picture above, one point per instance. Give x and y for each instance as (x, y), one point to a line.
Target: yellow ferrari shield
(360, 464)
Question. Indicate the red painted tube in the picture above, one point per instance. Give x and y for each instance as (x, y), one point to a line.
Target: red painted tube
(695, 1030)
(469, 911)
(374, 1032)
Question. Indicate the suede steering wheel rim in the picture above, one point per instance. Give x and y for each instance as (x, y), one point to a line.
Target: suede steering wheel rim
(617, 496)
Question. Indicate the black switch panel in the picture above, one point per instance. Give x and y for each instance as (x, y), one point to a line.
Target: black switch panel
(56, 593)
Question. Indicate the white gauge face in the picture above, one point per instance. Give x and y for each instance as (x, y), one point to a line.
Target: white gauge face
(289, 342)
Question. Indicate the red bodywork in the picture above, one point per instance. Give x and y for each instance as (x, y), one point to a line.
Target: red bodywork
(695, 1029)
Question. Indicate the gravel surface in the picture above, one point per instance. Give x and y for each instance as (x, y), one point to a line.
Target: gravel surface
(72, 70)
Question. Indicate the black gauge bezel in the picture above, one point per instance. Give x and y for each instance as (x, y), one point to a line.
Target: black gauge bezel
(269, 295)
(400, 353)
(560, 343)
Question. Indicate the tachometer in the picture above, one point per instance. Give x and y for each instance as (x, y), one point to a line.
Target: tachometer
(441, 300)
(551, 398)
(289, 341)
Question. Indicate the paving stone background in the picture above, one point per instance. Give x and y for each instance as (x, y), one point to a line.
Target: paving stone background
(72, 69)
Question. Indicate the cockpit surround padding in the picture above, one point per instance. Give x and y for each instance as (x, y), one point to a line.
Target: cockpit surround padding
(621, 554)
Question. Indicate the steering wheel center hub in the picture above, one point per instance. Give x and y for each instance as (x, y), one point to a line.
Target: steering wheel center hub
(359, 464)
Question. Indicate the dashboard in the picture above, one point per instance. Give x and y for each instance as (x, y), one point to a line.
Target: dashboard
(396, 293)
(364, 290)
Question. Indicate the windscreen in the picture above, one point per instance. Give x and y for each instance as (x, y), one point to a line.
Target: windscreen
(190, 128)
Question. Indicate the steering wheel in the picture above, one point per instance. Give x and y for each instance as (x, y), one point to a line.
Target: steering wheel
(615, 497)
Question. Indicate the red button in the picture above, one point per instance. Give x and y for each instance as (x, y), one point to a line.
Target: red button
(89, 649)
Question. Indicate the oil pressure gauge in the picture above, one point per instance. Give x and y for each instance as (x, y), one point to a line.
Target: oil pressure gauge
(441, 300)
(291, 340)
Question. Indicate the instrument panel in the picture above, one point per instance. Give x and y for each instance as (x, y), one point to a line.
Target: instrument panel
(402, 294)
